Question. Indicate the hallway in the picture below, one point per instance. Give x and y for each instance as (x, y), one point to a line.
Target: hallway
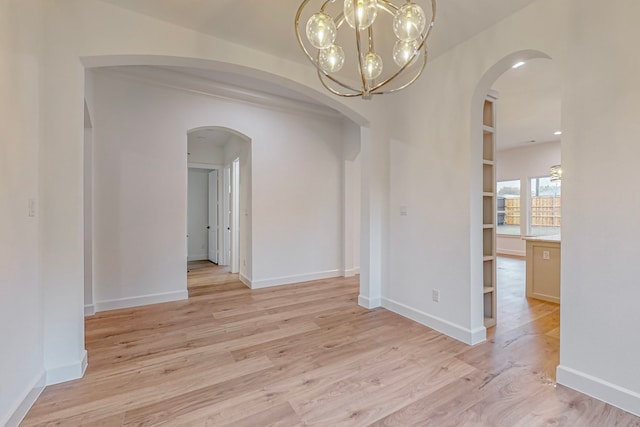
(514, 309)
(206, 273)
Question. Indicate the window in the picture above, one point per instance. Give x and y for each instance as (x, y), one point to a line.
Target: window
(508, 207)
(544, 207)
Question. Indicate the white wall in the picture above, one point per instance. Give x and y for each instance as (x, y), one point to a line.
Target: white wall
(435, 173)
(21, 320)
(198, 214)
(523, 163)
(204, 152)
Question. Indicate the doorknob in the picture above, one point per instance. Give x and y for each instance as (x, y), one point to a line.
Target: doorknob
(208, 227)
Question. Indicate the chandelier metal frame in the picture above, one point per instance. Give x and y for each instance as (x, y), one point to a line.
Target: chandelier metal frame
(368, 87)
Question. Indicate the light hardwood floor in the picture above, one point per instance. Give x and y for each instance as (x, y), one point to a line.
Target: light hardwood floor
(307, 354)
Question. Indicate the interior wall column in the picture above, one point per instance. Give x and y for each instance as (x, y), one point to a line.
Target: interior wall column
(374, 164)
(61, 202)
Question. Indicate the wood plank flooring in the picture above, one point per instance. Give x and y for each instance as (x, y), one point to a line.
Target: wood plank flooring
(307, 354)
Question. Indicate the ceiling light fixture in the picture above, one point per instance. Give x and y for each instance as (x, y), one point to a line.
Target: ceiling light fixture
(558, 133)
(518, 64)
(368, 76)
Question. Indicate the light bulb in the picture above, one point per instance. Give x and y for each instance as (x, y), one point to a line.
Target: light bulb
(331, 59)
(403, 52)
(366, 10)
(321, 30)
(409, 22)
(372, 66)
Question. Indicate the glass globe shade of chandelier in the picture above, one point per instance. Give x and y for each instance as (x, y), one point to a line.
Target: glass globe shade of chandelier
(359, 22)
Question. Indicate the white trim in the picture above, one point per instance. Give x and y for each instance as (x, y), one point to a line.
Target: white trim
(68, 372)
(89, 310)
(287, 280)
(200, 165)
(467, 336)
(620, 397)
(25, 404)
(351, 272)
(510, 252)
(369, 303)
(198, 85)
(245, 280)
(204, 257)
(116, 304)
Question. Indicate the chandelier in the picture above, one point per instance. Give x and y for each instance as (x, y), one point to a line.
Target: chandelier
(370, 66)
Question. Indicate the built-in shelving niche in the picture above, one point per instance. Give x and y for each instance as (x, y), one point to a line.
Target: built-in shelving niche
(489, 210)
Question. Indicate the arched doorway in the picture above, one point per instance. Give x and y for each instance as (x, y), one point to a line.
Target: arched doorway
(219, 187)
(485, 130)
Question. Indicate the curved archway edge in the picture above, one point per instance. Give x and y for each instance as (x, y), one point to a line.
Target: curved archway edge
(475, 184)
(207, 64)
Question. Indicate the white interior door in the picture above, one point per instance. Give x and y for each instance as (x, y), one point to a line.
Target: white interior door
(212, 227)
(235, 216)
(226, 217)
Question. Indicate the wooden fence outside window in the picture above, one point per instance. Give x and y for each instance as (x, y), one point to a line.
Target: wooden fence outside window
(545, 211)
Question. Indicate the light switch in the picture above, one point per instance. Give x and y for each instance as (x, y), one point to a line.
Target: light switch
(545, 255)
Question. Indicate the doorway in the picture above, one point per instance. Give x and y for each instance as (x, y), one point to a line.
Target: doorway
(528, 201)
(219, 159)
(524, 136)
(202, 215)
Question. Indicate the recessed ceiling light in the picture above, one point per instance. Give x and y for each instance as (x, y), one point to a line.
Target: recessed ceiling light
(558, 133)
(518, 64)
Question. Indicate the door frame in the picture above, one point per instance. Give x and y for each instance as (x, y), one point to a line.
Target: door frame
(209, 166)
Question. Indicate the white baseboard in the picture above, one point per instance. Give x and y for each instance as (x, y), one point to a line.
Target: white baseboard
(620, 397)
(198, 257)
(23, 406)
(467, 336)
(116, 304)
(68, 372)
(369, 303)
(351, 272)
(89, 310)
(510, 252)
(287, 280)
(245, 280)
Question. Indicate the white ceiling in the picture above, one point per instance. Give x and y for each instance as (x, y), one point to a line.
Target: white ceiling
(211, 136)
(269, 25)
(529, 105)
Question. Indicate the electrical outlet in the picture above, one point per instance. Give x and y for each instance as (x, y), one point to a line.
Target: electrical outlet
(435, 295)
(545, 255)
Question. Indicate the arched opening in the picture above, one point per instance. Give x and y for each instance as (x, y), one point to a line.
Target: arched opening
(219, 201)
(492, 223)
(343, 139)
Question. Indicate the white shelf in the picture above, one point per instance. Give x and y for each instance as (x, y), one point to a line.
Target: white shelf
(489, 211)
